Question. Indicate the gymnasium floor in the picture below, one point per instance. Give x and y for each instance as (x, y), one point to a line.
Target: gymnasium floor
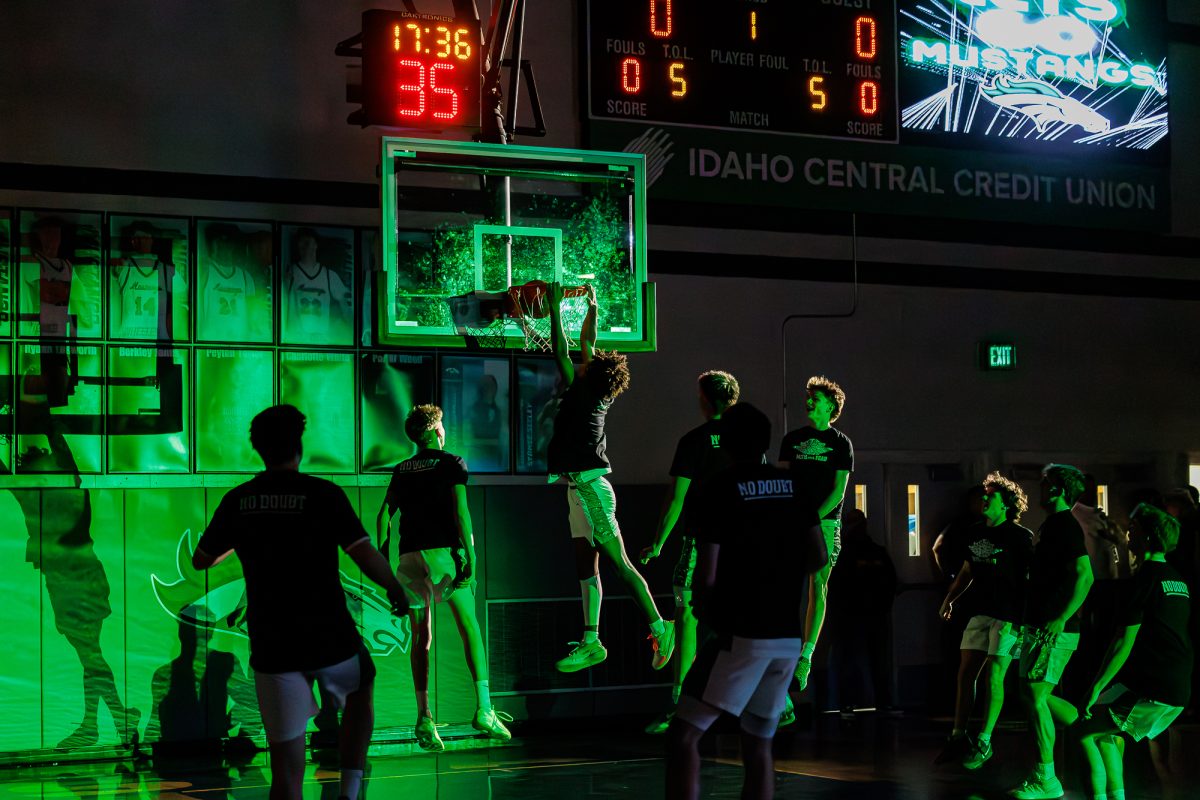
(875, 759)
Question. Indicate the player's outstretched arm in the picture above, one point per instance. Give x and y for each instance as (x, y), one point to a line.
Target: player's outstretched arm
(558, 340)
(668, 518)
(588, 334)
(962, 582)
(375, 566)
(383, 520)
(1118, 653)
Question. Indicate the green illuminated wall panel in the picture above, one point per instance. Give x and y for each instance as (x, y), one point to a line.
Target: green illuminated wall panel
(83, 617)
(235, 272)
(20, 584)
(148, 423)
(7, 299)
(321, 385)
(231, 387)
(317, 286)
(59, 415)
(58, 275)
(180, 680)
(392, 383)
(148, 268)
(395, 703)
(6, 408)
(474, 395)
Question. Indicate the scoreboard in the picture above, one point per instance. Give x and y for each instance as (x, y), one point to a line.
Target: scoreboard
(809, 67)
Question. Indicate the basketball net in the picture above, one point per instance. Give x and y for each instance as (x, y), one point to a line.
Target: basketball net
(528, 304)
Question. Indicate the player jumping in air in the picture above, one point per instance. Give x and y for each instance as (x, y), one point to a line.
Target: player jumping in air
(698, 456)
(577, 454)
(437, 563)
(820, 458)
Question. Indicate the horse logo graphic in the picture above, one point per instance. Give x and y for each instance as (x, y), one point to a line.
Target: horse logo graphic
(219, 604)
(1043, 104)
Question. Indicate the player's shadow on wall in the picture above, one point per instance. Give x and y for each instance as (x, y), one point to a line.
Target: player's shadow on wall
(202, 700)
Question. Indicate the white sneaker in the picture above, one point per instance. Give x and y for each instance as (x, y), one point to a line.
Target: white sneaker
(584, 655)
(491, 722)
(664, 645)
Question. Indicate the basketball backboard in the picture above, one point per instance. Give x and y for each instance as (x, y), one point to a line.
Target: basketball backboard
(461, 217)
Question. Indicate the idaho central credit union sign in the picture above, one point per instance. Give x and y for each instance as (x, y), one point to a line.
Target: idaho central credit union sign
(1042, 111)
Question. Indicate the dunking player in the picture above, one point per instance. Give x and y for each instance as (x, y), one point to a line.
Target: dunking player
(437, 563)
(698, 456)
(286, 528)
(821, 459)
(1060, 576)
(577, 452)
(757, 542)
(1147, 669)
(997, 561)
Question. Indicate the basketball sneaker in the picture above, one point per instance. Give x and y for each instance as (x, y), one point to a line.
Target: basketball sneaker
(664, 645)
(1035, 788)
(584, 655)
(427, 736)
(978, 755)
(660, 724)
(491, 722)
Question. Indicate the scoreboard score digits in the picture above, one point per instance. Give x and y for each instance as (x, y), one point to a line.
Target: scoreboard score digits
(807, 67)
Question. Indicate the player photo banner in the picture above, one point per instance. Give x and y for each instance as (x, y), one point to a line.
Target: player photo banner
(1042, 76)
(236, 267)
(148, 261)
(317, 298)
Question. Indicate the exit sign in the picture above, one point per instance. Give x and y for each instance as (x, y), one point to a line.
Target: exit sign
(997, 355)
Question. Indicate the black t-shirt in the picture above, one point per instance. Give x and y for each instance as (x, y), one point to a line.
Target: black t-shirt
(999, 559)
(1052, 572)
(698, 457)
(815, 457)
(579, 443)
(422, 489)
(1160, 665)
(765, 536)
(285, 528)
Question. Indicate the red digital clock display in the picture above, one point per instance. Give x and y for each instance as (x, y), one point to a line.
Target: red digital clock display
(807, 67)
(420, 71)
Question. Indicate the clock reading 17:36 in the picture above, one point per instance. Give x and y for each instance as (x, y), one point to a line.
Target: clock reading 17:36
(420, 71)
(815, 67)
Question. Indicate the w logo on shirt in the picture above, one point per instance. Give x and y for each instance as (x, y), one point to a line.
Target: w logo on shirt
(812, 450)
(714, 441)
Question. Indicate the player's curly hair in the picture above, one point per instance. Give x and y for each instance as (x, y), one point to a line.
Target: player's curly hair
(719, 388)
(1067, 479)
(1161, 529)
(608, 373)
(421, 420)
(276, 432)
(1014, 499)
(829, 388)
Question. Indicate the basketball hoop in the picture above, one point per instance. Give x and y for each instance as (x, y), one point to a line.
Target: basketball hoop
(482, 317)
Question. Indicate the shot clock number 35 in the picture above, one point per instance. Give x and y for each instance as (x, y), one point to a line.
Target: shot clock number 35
(807, 67)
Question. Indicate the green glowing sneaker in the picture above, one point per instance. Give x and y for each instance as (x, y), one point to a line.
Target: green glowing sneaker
(660, 724)
(664, 645)
(491, 722)
(427, 736)
(788, 717)
(583, 655)
(803, 667)
(1038, 789)
(978, 755)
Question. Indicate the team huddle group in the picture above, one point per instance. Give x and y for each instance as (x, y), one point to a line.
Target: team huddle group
(759, 542)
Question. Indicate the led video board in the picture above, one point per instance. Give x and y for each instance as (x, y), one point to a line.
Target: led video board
(1042, 76)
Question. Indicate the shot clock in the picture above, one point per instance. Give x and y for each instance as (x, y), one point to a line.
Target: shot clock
(420, 70)
(807, 67)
